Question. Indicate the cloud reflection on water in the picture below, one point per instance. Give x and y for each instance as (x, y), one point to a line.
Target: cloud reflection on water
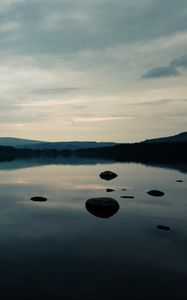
(46, 248)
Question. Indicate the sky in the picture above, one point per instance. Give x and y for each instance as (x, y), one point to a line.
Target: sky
(104, 70)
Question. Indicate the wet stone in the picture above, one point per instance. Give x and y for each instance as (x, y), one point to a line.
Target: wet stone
(38, 199)
(108, 175)
(163, 227)
(102, 207)
(156, 193)
(109, 190)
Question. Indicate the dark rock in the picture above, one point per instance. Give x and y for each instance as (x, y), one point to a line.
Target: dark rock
(38, 199)
(156, 193)
(108, 175)
(109, 190)
(163, 227)
(128, 197)
(123, 189)
(102, 207)
(179, 180)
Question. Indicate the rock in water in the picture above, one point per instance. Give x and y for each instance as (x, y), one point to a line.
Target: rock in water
(156, 193)
(109, 190)
(128, 197)
(179, 180)
(38, 199)
(108, 175)
(102, 207)
(163, 227)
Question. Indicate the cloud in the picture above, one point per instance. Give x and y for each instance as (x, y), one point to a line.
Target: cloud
(9, 4)
(168, 71)
(100, 119)
(72, 26)
(172, 70)
(64, 59)
(154, 102)
(55, 90)
(180, 62)
(10, 26)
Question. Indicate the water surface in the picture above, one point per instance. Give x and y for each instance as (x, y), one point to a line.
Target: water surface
(58, 250)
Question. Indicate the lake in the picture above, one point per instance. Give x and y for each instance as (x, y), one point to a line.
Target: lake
(59, 250)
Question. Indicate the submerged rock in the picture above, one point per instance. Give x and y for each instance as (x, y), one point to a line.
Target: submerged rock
(108, 175)
(156, 193)
(123, 189)
(128, 197)
(163, 227)
(109, 190)
(102, 207)
(179, 180)
(38, 199)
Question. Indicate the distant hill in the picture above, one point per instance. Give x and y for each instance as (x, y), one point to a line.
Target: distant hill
(70, 145)
(41, 145)
(16, 142)
(181, 137)
(75, 145)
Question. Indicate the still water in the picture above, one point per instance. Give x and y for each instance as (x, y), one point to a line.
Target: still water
(58, 250)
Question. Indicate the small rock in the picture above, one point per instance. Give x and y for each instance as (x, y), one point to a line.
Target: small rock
(109, 190)
(123, 189)
(179, 180)
(163, 227)
(128, 197)
(38, 199)
(108, 175)
(156, 193)
(102, 207)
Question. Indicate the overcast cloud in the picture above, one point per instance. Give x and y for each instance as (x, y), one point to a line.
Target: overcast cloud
(67, 64)
(175, 68)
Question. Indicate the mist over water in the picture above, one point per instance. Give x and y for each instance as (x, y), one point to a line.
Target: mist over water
(57, 249)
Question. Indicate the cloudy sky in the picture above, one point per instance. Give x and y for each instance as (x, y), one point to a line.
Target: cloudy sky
(105, 70)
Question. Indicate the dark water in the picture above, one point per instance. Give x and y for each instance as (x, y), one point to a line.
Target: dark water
(58, 250)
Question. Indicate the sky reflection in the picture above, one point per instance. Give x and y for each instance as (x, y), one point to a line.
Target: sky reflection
(46, 248)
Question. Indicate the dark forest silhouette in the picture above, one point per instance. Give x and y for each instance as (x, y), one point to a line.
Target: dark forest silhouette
(141, 152)
(137, 152)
